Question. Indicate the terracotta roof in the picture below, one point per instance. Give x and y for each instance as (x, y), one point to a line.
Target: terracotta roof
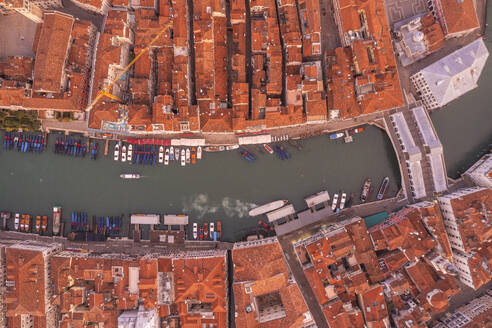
(52, 52)
(459, 15)
(374, 307)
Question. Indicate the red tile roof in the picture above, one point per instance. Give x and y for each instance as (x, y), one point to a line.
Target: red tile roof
(459, 15)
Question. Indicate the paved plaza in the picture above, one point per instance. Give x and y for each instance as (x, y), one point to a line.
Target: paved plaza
(19, 41)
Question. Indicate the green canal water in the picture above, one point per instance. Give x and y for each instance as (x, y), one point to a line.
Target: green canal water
(222, 186)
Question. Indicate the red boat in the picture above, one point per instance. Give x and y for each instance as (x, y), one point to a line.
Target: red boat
(268, 148)
(205, 230)
(200, 235)
(219, 229)
(356, 130)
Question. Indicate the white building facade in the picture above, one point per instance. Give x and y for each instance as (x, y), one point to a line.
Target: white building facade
(481, 172)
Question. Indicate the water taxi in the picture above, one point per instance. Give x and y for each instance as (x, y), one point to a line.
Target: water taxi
(334, 203)
(171, 153)
(214, 148)
(188, 156)
(343, 200)
(129, 153)
(166, 157)
(199, 152)
(336, 135)
(183, 157)
(272, 206)
(130, 176)
(17, 221)
(117, 152)
(56, 220)
(161, 155)
(123, 153)
(193, 155)
(195, 230)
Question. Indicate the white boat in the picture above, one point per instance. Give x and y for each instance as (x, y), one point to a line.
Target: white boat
(161, 155)
(117, 152)
(129, 153)
(176, 154)
(199, 152)
(166, 157)
(343, 200)
(211, 230)
(130, 176)
(214, 148)
(336, 135)
(171, 153)
(188, 155)
(267, 207)
(123, 153)
(195, 230)
(183, 157)
(335, 202)
(231, 147)
(16, 221)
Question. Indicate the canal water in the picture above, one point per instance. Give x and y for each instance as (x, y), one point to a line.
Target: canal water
(222, 186)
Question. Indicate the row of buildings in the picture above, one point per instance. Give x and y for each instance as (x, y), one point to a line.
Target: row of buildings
(204, 66)
(402, 271)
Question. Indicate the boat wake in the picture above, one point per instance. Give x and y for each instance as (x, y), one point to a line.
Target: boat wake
(202, 205)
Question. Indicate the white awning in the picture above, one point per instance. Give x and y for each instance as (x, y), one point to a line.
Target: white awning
(256, 139)
(281, 213)
(188, 142)
(322, 196)
(176, 219)
(145, 219)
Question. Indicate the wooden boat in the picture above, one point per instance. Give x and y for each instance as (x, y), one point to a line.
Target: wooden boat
(27, 223)
(219, 229)
(383, 188)
(193, 155)
(38, 224)
(268, 148)
(22, 222)
(44, 223)
(205, 230)
(365, 191)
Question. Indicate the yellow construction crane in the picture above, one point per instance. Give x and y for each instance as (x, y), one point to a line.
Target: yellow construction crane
(106, 91)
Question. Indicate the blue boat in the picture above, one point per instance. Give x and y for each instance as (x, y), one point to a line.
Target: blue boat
(247, 155)
(73, 220)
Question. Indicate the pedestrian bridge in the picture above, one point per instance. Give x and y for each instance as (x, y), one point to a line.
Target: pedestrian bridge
(419, 151)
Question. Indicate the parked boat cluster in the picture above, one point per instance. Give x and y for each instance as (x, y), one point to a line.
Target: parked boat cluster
(71, 146)
(24, 142)
(26, 223)
(155, 154)
(278, 149)
(207, 231)
(109, 225)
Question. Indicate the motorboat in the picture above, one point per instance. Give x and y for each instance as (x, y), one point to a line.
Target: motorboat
(117, 152)
(176, 153)
(193, 155)
(56, 220)
(205, 230)
(166, 157)
(161, 155)
(171, 153)
(195, 230)
(199, 152)
(123, 153)
(232, 147)
(44, 223)
(16, 221)
(212, 229)
(38, 224)
(214, 148)
(129, 153)
(336, 135)
(343, 200)
(383, 188)
(334, 203)
(188, 156)
(183, 157)
(272, 206)
(22, 222)
(268, 149)
(219, 229)
(130, 176)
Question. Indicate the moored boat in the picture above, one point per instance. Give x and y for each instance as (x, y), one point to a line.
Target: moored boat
(219, 229)
(171, 153)
(27, 223)
(268, 148)
(343, 200)
(247, 155)
(16, 221)
(188, 156)
(117, 152)
(129, 153)
(267, 207)
(56, 220)
(166, 157)
(176, 154)
(38, 224)
(335, 202)
(336, 135)
(205, 230)
(356, 130)
(365, 191)
(130, 176)
(199, 152)
(44, 223)
(214, 148)
(193, 155)
(231, 147)
(123, 153)
(383, 188)
(195, 230)
(22, 222)
(161, 155)
(212, 229)
(183, 157)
